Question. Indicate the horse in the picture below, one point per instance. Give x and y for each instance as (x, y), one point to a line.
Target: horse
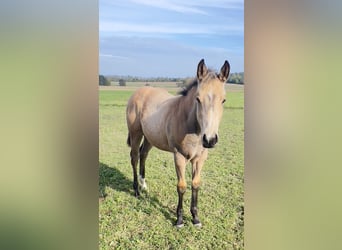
(185, 125)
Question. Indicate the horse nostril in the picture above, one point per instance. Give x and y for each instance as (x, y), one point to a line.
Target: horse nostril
(205, 140)
(213, 141)
(209, 143)
(216, 138)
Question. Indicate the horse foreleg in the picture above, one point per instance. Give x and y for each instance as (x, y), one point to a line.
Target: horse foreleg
(197, 164)
(180, 164)
(194, 209)
(135, 141)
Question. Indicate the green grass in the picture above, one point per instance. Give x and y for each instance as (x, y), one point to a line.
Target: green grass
(126, 222)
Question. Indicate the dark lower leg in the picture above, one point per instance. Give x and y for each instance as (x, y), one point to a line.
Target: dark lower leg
(134, 162)
(180, 163)
(144, 149)
(143, 156)
(196, 180)
(181, 192)
(194, 208)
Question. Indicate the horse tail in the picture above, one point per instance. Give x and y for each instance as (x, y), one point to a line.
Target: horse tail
(129, 140)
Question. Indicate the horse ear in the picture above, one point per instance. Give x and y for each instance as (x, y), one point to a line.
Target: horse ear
(224, 71)
(202, 70)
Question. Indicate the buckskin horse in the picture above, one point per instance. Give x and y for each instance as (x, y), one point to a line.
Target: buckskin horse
(185, 125)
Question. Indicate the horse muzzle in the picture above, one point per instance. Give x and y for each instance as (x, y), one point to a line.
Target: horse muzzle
(209, 143)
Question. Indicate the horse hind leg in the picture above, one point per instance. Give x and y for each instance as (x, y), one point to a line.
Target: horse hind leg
(134, 142)
(144, 149)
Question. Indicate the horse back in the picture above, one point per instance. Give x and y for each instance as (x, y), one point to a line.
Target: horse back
(147, 99)
(147, 113)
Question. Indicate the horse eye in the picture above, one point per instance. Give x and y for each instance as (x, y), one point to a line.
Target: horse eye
(224, 100)
(198, 100)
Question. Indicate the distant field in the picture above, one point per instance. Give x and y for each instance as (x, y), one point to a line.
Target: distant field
(126, 222)
(134, 85)
(171, 86)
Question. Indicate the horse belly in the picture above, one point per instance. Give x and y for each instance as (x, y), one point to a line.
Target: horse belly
(154, 131)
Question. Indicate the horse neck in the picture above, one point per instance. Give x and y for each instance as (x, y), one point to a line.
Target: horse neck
(187, 108)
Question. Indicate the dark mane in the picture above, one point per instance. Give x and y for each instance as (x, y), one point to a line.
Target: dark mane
(194, 83)
(187, 88)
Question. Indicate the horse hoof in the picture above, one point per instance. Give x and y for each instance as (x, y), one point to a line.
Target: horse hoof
(198, 225)
(142, 183)
(180, 225)
(137, 194)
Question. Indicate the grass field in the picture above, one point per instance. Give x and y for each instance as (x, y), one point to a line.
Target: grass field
(126, 222)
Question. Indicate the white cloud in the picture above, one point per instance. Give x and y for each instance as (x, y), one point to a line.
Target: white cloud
(113, 56)
(180, 6)
(161, 57)
(169, 36)
(166, 28)
(191, 6)
(223, 4)
(171, 5)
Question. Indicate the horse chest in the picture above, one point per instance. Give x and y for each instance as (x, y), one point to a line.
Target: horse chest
(191, 142)
(191, 146)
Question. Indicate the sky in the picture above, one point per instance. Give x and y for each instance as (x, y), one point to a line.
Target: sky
(167, 38)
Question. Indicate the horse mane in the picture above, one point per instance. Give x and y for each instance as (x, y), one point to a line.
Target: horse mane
(187, 88)
(192, 84)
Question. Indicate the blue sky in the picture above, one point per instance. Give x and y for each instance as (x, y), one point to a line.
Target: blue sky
(151, 38)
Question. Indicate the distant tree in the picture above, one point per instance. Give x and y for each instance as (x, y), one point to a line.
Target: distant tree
(103, 81)
(237, 78)
(122, 82)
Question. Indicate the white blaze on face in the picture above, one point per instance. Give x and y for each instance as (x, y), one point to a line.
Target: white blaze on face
(209, 114)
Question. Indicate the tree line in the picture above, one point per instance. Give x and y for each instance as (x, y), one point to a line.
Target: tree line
(237, 78)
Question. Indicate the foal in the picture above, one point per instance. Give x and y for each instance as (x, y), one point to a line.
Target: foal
(185, 125)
